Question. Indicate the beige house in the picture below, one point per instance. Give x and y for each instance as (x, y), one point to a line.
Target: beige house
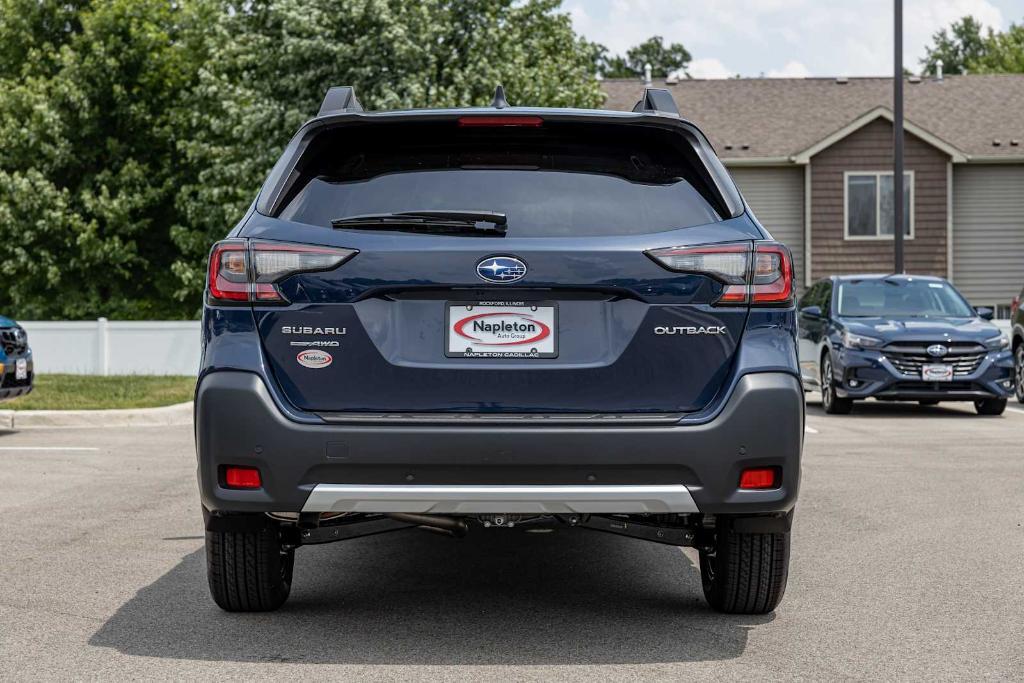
(813, 158)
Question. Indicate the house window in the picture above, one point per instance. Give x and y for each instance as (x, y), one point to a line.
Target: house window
(870, 206)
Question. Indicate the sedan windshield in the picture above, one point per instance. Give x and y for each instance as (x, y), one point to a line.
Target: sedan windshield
(901, 298)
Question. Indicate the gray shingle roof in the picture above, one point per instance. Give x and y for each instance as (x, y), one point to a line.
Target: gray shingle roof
(779, 117)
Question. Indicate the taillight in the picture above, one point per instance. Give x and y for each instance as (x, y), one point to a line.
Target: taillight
(1014, 306)
(241, 270)
(229, 271)
(760, 273)
(772, 280)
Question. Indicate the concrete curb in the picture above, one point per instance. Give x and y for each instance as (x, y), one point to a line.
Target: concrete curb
(178, 414)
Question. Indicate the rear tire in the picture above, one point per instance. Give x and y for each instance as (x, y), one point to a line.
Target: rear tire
(747, 573)
(833, 405)
(990, 406)
(248, 571)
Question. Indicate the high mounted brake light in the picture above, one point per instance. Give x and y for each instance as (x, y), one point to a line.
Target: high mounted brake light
(244, 271)
(500, 121)
(760, 273)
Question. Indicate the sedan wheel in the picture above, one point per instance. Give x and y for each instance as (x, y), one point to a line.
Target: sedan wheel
(1018, 373)
(833, 405)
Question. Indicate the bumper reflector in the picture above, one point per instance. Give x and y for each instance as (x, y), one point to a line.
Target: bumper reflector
(760, 478)
(242, 477)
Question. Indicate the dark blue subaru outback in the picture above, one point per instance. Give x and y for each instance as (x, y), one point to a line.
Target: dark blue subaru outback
(483, 318)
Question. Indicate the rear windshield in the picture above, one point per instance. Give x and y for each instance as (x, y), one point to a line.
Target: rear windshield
(562, 179)
(901, 298)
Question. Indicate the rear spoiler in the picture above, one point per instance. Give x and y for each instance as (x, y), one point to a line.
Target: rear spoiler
(342, 98)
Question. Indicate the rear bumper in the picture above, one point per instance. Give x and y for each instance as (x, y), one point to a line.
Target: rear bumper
(474, 468)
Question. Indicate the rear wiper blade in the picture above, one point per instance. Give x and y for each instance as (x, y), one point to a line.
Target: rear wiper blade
(489, 223)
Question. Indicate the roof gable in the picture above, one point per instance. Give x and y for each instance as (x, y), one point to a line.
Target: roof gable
(885, 113)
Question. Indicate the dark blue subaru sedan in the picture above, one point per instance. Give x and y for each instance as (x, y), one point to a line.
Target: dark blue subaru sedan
(901, 338)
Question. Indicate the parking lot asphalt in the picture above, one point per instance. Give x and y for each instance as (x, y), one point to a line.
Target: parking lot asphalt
(908, 562)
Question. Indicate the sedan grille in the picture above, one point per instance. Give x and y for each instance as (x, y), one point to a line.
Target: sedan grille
(908, 358)
(14, 340)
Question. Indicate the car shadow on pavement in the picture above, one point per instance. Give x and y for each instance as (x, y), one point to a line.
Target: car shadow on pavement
(496, 597)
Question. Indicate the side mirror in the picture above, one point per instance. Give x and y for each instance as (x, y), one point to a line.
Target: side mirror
(812, 312)
(985, 313)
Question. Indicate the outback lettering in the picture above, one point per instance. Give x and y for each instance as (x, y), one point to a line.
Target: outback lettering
(710, 329)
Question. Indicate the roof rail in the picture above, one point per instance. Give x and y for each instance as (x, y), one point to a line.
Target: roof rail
(657, 100)
(339, 98)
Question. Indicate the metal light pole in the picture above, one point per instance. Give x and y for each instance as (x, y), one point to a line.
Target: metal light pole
(897, 137)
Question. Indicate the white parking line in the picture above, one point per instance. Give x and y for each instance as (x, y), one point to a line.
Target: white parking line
(810, 430)
(46, 448)
(1016, 410)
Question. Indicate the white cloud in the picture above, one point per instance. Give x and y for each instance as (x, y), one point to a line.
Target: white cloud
(709, 67)
(779, 37)
(792, 69)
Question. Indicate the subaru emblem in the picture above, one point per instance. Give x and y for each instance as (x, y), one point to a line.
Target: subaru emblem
(501, 269)
(937, 350)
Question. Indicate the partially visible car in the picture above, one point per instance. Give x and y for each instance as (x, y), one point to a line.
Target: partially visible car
(15, 360)
(901, 338)
(1017, 344)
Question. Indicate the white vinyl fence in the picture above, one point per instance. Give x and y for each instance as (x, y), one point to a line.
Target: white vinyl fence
(111, 347)
(158, 347)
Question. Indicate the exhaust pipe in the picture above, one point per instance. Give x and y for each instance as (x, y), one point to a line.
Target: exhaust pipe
(445, 525)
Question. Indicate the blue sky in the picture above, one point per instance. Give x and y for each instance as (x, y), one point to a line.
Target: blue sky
(783, 37)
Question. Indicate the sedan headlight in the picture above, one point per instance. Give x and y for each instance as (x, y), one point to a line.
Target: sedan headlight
(860, 341)
(1000, 341)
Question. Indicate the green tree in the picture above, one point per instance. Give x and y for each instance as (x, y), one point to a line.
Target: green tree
(272, 61)
(88, 173)
(136, 132)
(957, 47)
(664, 60)
(1003, 53)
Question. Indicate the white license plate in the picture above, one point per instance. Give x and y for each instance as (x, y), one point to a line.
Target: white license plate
(937, 373)
(502, 329)
(21, 369)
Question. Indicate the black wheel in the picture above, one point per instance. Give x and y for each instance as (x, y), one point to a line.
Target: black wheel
(745, 573)
(1018, 372)
(990, 406)
(833, 405)
(929, 402)
(248, 571)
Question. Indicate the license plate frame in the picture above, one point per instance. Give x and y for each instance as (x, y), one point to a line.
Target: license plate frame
(937, 372)
(517, 312)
